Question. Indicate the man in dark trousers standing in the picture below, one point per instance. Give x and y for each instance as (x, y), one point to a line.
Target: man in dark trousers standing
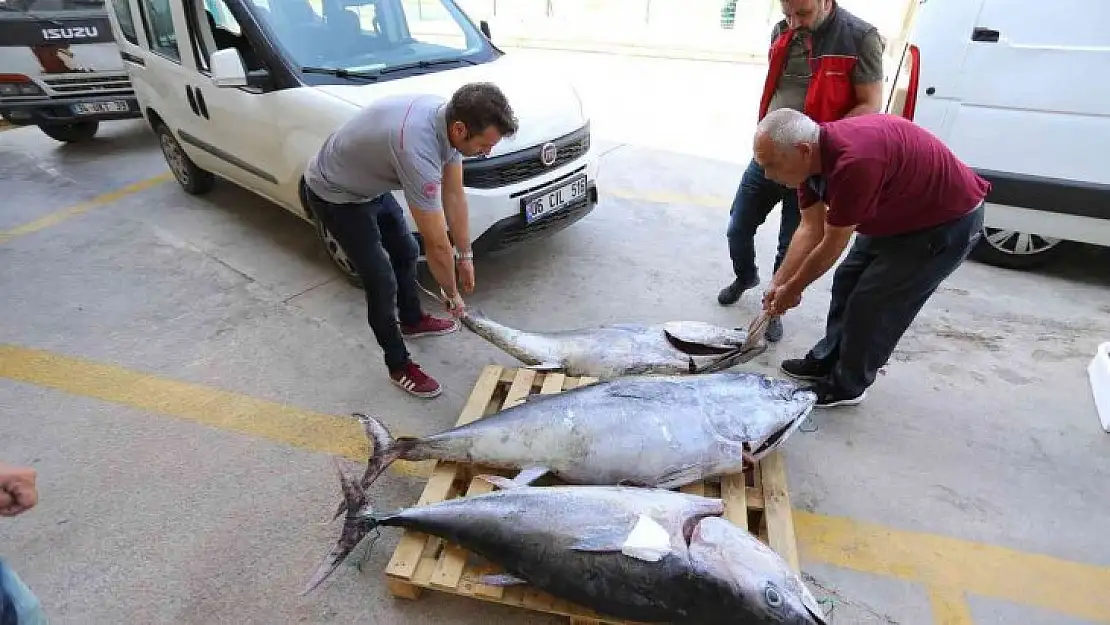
(825, 62)
(413, 143)
(916, 211)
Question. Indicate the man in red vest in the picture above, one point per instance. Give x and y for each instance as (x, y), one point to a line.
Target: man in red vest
(824, 62)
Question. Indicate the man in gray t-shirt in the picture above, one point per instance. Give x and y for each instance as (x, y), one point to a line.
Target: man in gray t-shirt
(414, 144)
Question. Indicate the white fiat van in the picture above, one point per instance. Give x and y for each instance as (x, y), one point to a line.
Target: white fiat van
(1017, 90)
(247, 90)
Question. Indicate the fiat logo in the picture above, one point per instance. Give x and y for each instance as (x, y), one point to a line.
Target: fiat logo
(548, 154)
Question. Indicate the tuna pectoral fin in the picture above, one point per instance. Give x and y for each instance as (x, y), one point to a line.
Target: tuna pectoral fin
(546, 366)
(603, 539)
(502, 579)
(524, 478)
(359, 523)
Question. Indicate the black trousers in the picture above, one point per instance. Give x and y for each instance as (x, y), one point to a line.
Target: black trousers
(878, 290)
(378, 242)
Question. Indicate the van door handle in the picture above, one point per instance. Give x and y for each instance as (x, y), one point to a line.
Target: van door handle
(200, 103)
(192, 100)
(984, 34)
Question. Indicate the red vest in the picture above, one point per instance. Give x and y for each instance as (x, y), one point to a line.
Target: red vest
(833, 54)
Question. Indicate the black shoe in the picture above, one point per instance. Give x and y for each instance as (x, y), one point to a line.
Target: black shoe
(774, 330)
(731, 293)
(828, 397)
(804, 369)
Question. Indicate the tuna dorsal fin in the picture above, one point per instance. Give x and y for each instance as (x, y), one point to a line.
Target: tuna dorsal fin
(680, 476)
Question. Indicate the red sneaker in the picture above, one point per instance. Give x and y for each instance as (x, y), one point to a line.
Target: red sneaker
(415, 382)
(429, 326)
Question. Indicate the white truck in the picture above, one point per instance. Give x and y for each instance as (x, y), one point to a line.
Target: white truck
(60, 68)
(1016, 89)
(248, 90)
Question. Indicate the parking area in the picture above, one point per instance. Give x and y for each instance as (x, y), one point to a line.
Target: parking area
(178, 369)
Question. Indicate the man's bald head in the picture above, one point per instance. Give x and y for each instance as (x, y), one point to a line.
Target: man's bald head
(786, 146)
(806, 14)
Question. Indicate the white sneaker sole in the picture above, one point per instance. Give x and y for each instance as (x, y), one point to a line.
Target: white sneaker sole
(430, 395)
(845, 402)
(436, 333)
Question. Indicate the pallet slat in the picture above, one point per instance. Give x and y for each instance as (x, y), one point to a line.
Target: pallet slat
(757, 500)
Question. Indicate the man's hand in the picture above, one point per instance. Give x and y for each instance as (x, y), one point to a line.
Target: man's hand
(17, 489)
(780, 299)
(465, 269)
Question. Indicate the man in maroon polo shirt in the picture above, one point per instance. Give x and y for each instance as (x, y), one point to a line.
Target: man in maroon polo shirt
(916, 210)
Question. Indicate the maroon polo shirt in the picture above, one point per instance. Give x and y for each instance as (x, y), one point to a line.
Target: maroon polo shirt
(886, 175)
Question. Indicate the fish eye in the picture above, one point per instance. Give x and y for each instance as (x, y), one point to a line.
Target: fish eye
(774, 599)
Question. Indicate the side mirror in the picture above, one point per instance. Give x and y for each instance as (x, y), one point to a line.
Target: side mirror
(227, 68)
(484, 27)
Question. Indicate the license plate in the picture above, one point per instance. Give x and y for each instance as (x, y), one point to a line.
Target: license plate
(554, 200)
(91, 108)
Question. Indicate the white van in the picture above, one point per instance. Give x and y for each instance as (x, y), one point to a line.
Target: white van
(248, 90)
(1017, 90)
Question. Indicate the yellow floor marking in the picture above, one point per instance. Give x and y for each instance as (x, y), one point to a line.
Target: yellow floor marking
(61, 215)
(331, 434)
(948, 567)
(1072, 588)
(950, 607)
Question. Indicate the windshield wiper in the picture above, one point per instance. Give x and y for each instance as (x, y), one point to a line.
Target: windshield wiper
(340, 72)
(423, 64)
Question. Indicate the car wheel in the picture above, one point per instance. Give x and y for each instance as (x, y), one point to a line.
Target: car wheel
(335, 253)
(1017, 250)
(193, 179)
(71, 133)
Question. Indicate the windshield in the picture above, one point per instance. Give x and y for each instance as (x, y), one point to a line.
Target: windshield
(51, 8)
(367, 36)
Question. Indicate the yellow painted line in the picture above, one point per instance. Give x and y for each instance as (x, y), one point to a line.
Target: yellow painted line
(950, 607)
(1073, 588)
(949, 568)
(61, 215)
(326, 433)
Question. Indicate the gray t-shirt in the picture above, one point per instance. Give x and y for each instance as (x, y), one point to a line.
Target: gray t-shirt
(398, 143)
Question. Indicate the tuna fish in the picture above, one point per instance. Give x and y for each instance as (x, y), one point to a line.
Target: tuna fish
(582, 544)
(664, 431)
(609, 351)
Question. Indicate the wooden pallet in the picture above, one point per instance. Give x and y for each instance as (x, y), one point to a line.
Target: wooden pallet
(757, 500)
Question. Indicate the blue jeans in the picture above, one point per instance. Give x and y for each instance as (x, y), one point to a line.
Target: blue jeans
(755, 198)
(18, 605)
(377, 240)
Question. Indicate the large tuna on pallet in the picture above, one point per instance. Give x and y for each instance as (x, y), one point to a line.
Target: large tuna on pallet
(660, 431)
(574, 543)
(609, 351)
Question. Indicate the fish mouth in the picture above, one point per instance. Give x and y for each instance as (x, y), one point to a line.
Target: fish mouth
(780, 434)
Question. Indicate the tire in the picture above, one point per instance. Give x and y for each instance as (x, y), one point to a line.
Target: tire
(71, 133)
(193, 179)
(1018, 250)
(331, 246)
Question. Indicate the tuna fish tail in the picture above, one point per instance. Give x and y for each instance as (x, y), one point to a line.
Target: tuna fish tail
(384, 450)
(360, 521)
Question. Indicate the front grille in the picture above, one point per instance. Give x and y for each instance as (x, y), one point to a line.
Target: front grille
(508, 169)
(85, 85)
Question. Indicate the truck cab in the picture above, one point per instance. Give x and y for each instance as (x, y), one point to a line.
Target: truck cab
(60, 68)
(247, 91)
(1015, 90)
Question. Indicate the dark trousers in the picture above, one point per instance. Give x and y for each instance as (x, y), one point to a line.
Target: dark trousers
(877, 291)
(755, 198)
(380, 246)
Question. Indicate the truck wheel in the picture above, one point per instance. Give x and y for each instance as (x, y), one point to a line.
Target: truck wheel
(71, 133)
(1017, 250)
(193, 179)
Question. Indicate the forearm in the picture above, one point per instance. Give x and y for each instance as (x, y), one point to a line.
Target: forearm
(816, 263)
(805, 239)
(441, 262)
(458, 221)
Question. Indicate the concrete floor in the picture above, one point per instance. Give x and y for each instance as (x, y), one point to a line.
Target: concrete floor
(982, 428)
